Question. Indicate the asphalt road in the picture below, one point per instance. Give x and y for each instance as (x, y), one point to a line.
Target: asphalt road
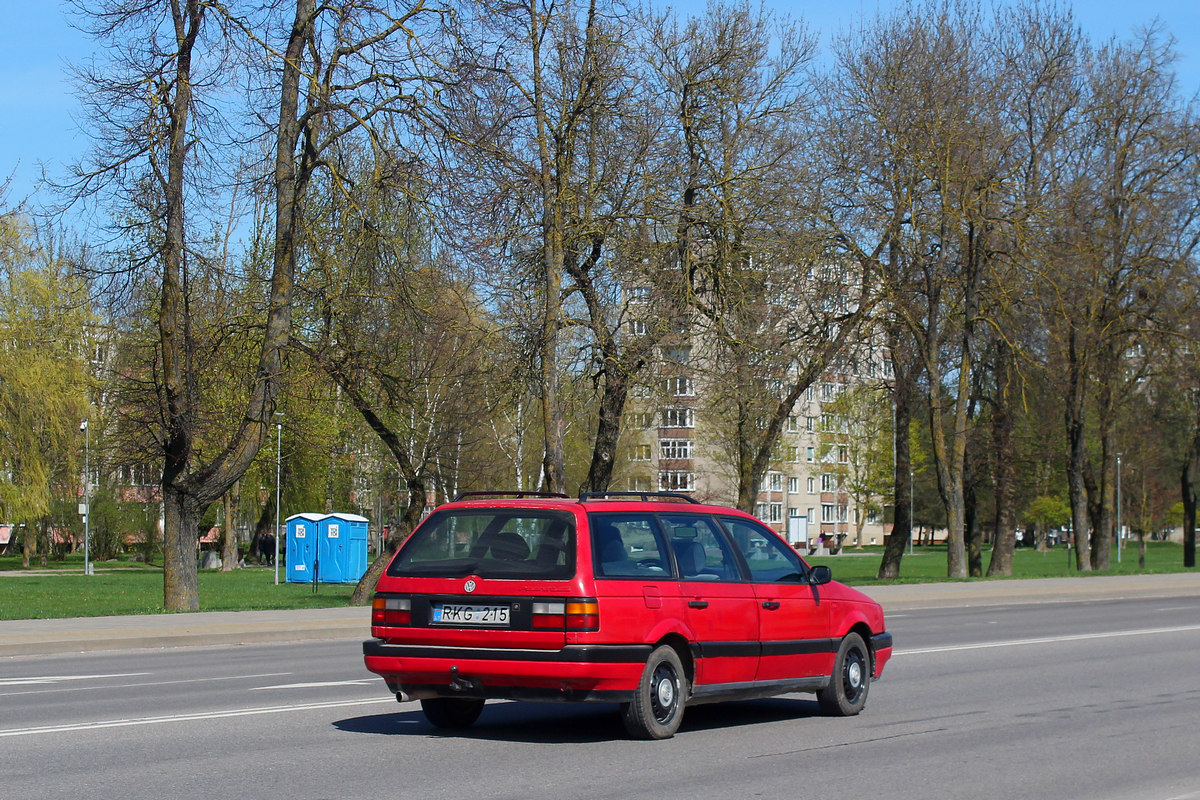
(1095, 700)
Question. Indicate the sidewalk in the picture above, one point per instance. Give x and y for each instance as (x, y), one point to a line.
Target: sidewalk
(51, 636)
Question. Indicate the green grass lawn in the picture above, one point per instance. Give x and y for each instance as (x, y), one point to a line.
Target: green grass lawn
(129, 587)
(929, 563)
(117, 588)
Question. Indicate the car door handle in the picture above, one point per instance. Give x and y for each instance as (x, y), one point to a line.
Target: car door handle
(697, 604)
(770, 605)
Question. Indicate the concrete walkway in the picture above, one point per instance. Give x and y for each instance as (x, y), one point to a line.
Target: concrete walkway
(51, 636)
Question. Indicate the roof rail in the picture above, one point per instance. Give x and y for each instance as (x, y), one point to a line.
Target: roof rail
(644, 496)
(506, 493)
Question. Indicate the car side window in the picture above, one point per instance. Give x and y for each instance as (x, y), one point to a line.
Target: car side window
(627, 546)
(769, 559)
(700, 550)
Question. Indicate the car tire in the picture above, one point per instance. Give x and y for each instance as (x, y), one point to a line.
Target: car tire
(452, 712)
(657, 708)
(846, 693)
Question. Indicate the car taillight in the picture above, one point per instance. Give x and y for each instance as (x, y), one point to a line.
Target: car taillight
(549, 616)
(391, 611)
(576, 614)
(583, 615)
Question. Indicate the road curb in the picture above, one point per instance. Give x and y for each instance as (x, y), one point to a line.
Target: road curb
(89, 634)
(216, 628)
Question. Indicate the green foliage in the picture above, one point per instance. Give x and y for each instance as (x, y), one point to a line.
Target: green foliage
(44, 318)
(1048, 512)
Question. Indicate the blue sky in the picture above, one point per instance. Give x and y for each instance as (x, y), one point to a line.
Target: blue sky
(39, 116)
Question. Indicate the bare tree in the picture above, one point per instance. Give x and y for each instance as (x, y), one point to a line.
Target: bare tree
(330, 75)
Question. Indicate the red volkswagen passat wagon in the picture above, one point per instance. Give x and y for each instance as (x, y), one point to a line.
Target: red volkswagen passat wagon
(652, 601)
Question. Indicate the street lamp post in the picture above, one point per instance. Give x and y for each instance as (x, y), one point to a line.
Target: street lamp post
(87, 497)
(278, 513)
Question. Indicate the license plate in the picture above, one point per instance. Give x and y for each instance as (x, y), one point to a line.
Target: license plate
(458, 614)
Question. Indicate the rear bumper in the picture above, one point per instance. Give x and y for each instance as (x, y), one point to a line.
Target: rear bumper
(588, 673)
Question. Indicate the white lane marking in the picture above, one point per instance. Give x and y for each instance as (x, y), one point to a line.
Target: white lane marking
(148, 683)
(203, 715)
(1078, 637)
(321, 685)
(37, 679)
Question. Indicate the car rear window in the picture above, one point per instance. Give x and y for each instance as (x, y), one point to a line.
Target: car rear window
(490, 543)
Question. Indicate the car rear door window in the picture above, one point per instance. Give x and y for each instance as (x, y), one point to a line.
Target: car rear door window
(700, 550)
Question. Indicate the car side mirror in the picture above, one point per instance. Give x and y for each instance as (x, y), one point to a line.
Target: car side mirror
(819, 576)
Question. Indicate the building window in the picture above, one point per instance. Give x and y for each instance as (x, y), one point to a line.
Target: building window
(811, 455)
(827, 512)
(675, 448)
(773, 482)
(639, 294)
(676, 481)
(679, 387)
(678, 418)
(761, 511)
(776, 512)
(792, 453)
(827, 483)
(793, 485)
(637, 327)
(793, 425)
(677, 355)
(843, 453)
(639, 485)
(640, 452)
(828, 392)
(812, 485)
(843, 513)
(810, 424)
(641, 420)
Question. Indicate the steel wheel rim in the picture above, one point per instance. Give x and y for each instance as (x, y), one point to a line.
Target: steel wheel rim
(664, 692)
(853, 674)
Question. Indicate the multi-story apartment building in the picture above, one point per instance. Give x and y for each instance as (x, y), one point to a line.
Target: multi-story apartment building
(674, 441)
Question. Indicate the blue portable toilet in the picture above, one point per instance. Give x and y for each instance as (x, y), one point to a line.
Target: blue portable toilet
(342, 548)
(302, 535)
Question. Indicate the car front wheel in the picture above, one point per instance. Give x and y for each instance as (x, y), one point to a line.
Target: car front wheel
(657, 708)
(846, 693)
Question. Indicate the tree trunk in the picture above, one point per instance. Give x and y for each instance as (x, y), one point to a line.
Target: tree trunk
(972, 533)
(608, 430)
(230, 555)
(175, 341)
(902, 392)
(1187, 488)
(1077, 456)
(181, 518)
(1003, 445)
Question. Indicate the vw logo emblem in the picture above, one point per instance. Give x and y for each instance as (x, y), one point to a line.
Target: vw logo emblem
(469, 587)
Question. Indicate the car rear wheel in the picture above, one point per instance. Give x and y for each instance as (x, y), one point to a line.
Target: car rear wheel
(452, 712)
(657, 708)
(846, 693)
